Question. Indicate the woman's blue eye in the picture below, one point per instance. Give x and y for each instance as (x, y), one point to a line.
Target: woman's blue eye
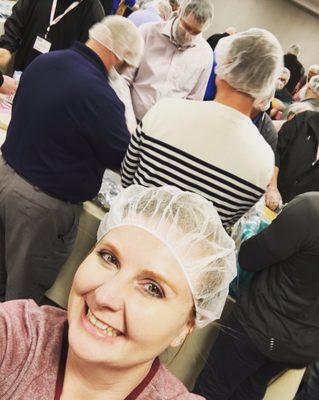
(154, 290)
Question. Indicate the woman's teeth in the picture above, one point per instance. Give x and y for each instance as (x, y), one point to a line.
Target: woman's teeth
(106, 329)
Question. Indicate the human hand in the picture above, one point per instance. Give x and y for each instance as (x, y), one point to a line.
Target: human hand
(273, 198)
(9, 85)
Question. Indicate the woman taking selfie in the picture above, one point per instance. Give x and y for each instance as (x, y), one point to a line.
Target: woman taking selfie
(161, 267)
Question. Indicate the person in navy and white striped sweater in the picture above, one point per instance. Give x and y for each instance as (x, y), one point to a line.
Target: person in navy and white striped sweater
(213, 148)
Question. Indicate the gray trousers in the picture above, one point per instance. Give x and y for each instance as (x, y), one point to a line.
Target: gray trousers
(37, 233)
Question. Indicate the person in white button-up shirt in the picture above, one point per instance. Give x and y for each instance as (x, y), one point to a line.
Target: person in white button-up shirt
(177, 60)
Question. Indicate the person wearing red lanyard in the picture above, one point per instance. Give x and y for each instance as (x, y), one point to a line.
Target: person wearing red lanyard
(36, 27)
(128, 303)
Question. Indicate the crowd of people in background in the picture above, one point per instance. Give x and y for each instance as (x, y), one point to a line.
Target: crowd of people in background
(199, 130)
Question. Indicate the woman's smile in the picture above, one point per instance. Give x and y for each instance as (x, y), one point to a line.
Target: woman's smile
(96, 327)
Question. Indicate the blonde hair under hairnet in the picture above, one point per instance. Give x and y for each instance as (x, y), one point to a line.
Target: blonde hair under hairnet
(121, 37)
(190, 227)
(250, 62)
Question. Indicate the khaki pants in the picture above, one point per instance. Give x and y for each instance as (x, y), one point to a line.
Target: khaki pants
(37, 233)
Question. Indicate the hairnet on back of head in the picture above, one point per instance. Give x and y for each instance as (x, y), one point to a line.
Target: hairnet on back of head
(250, 62)
(164, 8)
(190, 227)
(202, 10)
(121, 37)
(314, 84)
(314, 69)
(285, 73)
(294, 49)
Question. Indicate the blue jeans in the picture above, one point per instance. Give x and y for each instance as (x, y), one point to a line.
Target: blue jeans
(311, 389)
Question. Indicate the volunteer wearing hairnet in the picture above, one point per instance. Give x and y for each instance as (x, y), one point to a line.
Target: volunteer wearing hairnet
(212, 147)
(128, 303)
(274, 325)
(170, 65)
(67, 126)
(36, 27)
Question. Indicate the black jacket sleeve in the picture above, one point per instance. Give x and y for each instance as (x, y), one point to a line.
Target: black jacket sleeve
(94, 14)
(15, 25)
(285, 136)
(286, 235)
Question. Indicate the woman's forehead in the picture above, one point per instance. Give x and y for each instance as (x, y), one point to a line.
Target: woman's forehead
(143, 249)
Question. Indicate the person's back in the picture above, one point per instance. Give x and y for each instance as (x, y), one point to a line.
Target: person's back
(213, 148)
(295, 67)
(200, 155)
(282, 301)
(297, 155)
(63, 128)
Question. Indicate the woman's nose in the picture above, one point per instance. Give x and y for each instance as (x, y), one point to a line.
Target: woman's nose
(111, 294)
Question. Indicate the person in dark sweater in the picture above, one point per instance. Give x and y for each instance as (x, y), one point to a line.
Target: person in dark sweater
(297, 160)
(67, 127)
(27, 28)
(295, 67)
(275, 323)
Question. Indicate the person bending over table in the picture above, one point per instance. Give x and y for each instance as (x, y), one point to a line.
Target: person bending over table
(275, 323)
(162, 266)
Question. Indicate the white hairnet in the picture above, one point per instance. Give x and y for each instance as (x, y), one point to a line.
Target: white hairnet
(314, 84)
(250, 62)
(190, 227)
(202, 10)
(314, 69)
(164, 8)
(121, 37)
(262, 104)
(294, 49)
(285, 73)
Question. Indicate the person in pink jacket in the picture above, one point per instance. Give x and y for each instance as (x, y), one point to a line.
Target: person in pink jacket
(161, 266)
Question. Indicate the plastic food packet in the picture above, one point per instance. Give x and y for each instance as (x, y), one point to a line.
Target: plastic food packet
(110, 188)
(253, 222)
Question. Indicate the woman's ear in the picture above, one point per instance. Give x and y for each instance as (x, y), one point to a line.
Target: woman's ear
(187, 329)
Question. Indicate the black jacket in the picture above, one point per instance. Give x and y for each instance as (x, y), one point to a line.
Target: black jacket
(214, 39)
(30, 18)
(279, 309)
(296, 156)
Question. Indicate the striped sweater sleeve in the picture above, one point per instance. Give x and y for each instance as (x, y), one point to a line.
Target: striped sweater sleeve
(132, 158)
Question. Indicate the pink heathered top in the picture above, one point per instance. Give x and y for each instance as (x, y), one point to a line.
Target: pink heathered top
(31, 339)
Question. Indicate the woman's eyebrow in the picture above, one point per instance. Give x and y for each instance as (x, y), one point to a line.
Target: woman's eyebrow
(159, 278)
(109, 246)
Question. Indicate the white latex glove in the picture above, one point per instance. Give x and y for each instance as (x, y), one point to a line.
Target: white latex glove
(273, 198)
(9, 85)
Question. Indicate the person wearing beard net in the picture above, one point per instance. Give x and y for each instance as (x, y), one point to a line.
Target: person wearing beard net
(177, 61)
(160, 268)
